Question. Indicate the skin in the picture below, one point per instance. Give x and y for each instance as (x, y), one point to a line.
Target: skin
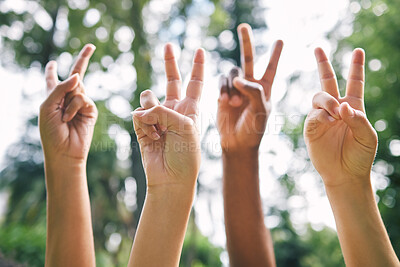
(342, 144)
(243, 109)
(66, 122)
(170, 148)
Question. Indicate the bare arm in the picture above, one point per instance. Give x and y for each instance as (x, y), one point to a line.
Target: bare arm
(248, 240)
(66, 121)
(69, 224)
(170, 148)
(342, 144)
(362, 234)
(243, 109)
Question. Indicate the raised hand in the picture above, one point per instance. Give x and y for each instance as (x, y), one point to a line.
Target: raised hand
(342, 145)
(67, 117)
(66, 121)
(244, 103)
(167, 132)
(243, 109)
(340, 140)
(170, 147)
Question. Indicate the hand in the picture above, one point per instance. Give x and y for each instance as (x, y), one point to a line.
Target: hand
(340, 140)
(167, 134)
(244, 104)
(67, 117)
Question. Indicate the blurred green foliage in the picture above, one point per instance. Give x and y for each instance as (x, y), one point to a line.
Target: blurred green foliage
(22, 234)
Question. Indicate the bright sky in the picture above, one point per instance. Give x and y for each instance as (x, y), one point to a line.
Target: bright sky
(302, 25)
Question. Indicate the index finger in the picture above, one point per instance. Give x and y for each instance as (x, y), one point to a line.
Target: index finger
(246, 49)
(195, 85)
(326, 74)
(82, 61)
(51, 75)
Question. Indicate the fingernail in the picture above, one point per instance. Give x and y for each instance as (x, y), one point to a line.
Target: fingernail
(331, 119)
(64, 117)
(351, 111)
(163, 128)
(155, 135)
(336, 112)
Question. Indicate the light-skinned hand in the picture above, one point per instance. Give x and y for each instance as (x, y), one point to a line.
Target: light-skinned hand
(167, 133)
(340, 140)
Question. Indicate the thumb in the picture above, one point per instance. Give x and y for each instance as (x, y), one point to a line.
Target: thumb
(359, 125)
(165, 117)
(253, 91)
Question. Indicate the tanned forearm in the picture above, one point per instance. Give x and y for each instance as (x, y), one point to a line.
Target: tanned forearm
(162, 227)
(249, 242)
(69, 225)
(362, 234)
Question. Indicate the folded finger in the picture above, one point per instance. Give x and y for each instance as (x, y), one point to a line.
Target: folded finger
(323, 100)
(79, 102)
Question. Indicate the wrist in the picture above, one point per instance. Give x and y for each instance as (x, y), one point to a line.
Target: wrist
(239, 154)
(351, 191)
(174, 197)
(64, 175)
(183, 192)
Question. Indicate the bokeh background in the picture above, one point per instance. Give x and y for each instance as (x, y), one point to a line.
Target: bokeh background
(129, 36)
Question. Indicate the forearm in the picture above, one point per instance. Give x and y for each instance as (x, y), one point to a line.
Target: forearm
(249, 242)
(69, 225)
(161, 231)
(362, 234)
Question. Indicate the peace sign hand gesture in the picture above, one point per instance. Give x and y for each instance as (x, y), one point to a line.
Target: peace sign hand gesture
(167, 133)
(244, 103)
(341, 141)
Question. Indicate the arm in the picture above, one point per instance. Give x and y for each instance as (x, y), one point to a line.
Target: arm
(66, 123)
(69, 225)
(248, 240)
(243, 110)
(170, 148)
(342, 145)
(362, 234)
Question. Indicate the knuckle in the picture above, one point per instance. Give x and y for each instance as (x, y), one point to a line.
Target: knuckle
(42, 107)
(331, 103)
(79, 97)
